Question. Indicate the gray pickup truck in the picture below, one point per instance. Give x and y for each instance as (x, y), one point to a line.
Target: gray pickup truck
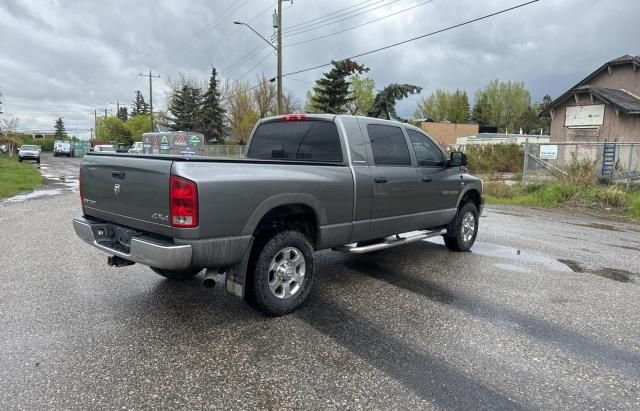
(308, 183)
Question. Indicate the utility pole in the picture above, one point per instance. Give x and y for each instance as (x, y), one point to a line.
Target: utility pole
(151, 77)
(279, 22)
(95, 122)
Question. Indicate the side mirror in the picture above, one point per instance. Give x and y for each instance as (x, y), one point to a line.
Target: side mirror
(458, 159)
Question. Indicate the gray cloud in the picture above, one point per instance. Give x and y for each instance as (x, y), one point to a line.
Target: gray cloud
(64, 58)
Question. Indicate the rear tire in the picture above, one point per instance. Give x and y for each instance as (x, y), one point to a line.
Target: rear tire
(281, 273)
(178, 275)
(19, 160)
(462, 232)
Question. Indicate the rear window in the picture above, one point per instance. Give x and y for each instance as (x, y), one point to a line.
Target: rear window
(307, 140)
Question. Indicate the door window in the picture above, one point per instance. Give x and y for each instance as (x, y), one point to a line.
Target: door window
(388, 145)
(427, 152)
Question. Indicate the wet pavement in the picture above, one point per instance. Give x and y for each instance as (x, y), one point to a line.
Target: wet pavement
(60, 177)
(543, 314)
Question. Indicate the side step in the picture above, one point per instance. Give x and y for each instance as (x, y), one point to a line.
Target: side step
(397, 240)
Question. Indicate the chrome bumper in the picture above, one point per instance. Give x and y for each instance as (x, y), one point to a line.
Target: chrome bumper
(147, 251)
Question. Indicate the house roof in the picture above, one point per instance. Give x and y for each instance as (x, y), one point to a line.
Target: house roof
(626, 59)
(619, 98)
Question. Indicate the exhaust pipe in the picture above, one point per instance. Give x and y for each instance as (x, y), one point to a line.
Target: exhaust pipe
(209, 279)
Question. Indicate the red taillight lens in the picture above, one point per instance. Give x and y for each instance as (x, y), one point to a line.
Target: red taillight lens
(183, 196)
(293, 117)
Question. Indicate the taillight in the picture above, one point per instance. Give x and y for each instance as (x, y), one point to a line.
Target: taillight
(183, 196)
(293, 117)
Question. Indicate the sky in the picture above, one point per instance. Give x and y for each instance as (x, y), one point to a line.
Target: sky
(64, 58)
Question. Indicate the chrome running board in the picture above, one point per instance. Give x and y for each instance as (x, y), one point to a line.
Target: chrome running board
(390, 242)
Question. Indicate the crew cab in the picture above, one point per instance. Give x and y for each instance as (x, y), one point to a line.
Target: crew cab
(308, 183)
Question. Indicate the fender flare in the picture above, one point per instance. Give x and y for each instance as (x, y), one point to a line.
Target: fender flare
(283, 200)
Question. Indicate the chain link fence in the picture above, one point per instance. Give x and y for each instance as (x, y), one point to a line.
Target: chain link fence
(604, 162)
(215, 150)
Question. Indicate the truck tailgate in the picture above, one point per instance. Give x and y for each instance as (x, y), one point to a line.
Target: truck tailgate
(127, 190)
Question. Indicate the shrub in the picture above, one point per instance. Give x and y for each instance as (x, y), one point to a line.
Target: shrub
(495, 158)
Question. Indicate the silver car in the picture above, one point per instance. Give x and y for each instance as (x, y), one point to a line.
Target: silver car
(29, 152)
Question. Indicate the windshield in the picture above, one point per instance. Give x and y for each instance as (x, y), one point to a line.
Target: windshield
(106, 148)
(34, 148)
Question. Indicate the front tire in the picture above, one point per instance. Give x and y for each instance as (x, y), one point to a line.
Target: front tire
(282, 273)
(462, 232)
(178, 275)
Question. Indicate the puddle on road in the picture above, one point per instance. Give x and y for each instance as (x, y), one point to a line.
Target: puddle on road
(34, 194)
(597, 226)
(511, 253)
(615, 274)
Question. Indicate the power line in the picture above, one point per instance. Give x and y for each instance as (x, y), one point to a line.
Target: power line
(202, 53)
(418, 37)
(360, 25)
(256, 65)
(325, 19)
(302, 23)
(206, 29)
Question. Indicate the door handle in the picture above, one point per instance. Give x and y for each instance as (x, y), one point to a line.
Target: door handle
(380, 179)
(426, 179)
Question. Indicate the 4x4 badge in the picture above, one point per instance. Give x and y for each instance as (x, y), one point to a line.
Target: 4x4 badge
(116, 189)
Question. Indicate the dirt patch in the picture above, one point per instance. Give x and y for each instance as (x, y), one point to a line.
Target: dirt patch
(614, 274)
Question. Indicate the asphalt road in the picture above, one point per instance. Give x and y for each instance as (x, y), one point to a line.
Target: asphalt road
(543, 314)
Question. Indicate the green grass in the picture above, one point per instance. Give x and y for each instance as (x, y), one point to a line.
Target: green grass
(16, 177)
(558, 194)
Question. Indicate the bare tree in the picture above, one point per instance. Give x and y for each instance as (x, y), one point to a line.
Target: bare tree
(290, 104)
(265, 96)
(8, 136)
(241, 111)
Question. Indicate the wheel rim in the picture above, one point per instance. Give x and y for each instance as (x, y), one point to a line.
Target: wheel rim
(468, 226)
(286, 273)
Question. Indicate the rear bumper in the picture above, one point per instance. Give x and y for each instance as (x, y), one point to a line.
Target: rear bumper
(143, 250)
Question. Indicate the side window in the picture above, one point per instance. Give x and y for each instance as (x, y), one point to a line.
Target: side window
(388, 145)
(427, 153)
(297, 140)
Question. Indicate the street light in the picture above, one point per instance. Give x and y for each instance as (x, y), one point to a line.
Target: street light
(278, 50)
(251, 28)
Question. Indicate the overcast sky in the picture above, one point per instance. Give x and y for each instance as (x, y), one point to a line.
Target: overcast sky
(67, 58)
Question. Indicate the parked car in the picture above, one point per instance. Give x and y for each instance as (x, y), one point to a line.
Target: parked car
(104, 148)
(29, 152)
(62, 148)
(309, 182)
(136, 148)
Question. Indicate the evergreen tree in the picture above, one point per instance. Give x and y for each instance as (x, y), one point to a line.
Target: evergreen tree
(331, 93)
(481, 110)
(123, 114)
(139, 106)
(385, 103)
(212, 112)
(60, 130)
(185, 109)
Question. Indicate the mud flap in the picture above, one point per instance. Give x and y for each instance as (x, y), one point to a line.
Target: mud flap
(237, 274)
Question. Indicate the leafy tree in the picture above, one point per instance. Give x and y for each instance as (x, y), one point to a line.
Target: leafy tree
(384, 104)
(361, 90)
(113, 129)
(139, 106)
(59, 128)
(331, 93)
(241, 111)
(444, 105)
(137, 125)
(212, 111)
(265, 96)
(186, 108)
(503, 103)
(123, 114)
